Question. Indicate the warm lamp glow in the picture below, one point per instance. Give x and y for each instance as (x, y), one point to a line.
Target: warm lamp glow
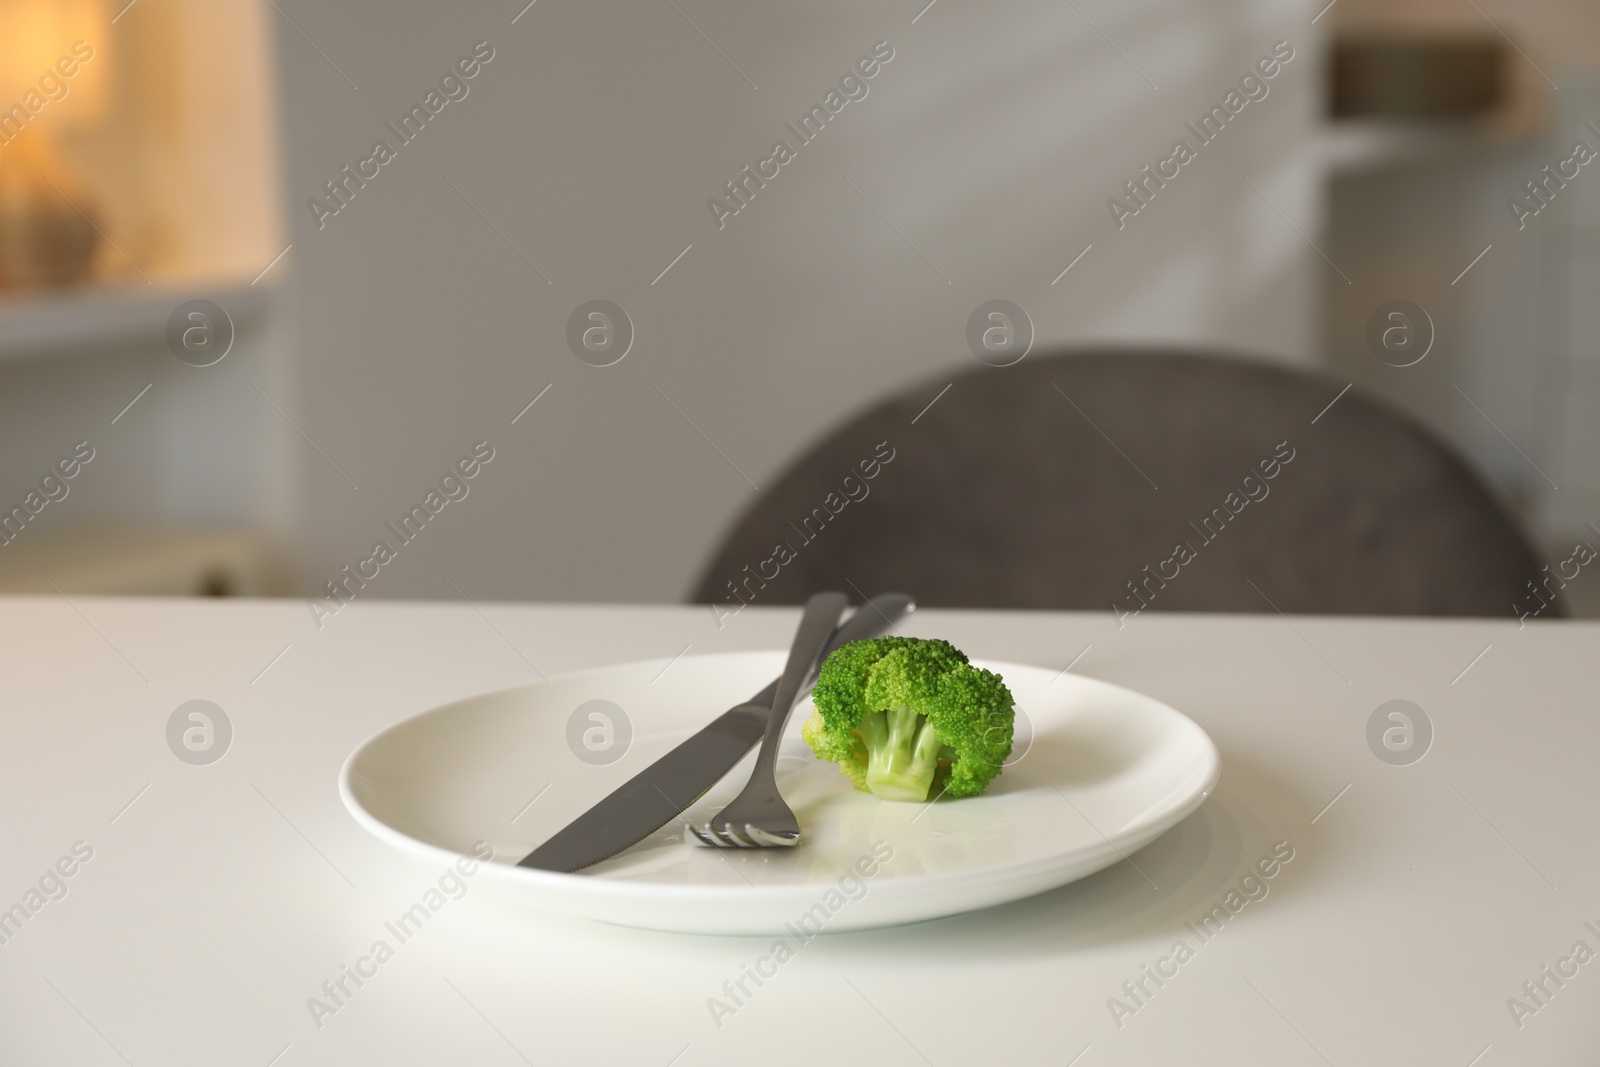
(54, 58)
(52, 75)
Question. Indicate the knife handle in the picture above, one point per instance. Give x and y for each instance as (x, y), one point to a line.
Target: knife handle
(871, 619)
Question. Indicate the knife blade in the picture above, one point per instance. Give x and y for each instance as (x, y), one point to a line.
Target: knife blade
(659, 793)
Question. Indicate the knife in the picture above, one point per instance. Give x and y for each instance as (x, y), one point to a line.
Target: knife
(659, 793)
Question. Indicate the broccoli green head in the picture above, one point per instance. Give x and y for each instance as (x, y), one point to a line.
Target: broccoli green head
(899, 714)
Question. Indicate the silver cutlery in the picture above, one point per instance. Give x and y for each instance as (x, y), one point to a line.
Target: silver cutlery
(759, 817)
(662, 791)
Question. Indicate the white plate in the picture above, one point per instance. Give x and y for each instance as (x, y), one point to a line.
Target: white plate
(1097, 772)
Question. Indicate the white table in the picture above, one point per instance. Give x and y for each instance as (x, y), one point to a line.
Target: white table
(219, 898)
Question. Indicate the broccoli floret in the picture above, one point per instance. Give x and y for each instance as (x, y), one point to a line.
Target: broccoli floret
(899, 714)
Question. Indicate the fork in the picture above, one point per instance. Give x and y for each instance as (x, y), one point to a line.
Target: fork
(759, 809)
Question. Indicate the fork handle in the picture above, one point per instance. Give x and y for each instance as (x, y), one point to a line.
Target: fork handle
(816, 626)
(871, 619)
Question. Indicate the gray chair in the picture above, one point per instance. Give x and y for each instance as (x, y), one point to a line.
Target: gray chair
(1114, 480)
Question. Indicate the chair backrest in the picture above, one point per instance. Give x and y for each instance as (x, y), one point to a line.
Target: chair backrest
(1119, 480)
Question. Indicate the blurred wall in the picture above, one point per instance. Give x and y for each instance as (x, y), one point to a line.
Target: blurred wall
(433, 307)
(1513, 377)
(192, 449)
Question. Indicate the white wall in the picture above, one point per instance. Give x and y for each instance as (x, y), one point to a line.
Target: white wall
(593, 139)
(199, 448)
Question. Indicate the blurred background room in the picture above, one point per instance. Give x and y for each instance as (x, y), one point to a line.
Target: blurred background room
(259, 343)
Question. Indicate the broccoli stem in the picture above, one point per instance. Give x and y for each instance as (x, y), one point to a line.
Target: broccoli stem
(902, 753)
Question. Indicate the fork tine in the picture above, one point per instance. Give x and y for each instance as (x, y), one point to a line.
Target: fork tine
(737, 839)
(706, 837)
(770, 840)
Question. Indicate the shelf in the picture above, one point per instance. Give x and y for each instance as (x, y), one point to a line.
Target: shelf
(121, 560)
(1358, 146)
(37, 326)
